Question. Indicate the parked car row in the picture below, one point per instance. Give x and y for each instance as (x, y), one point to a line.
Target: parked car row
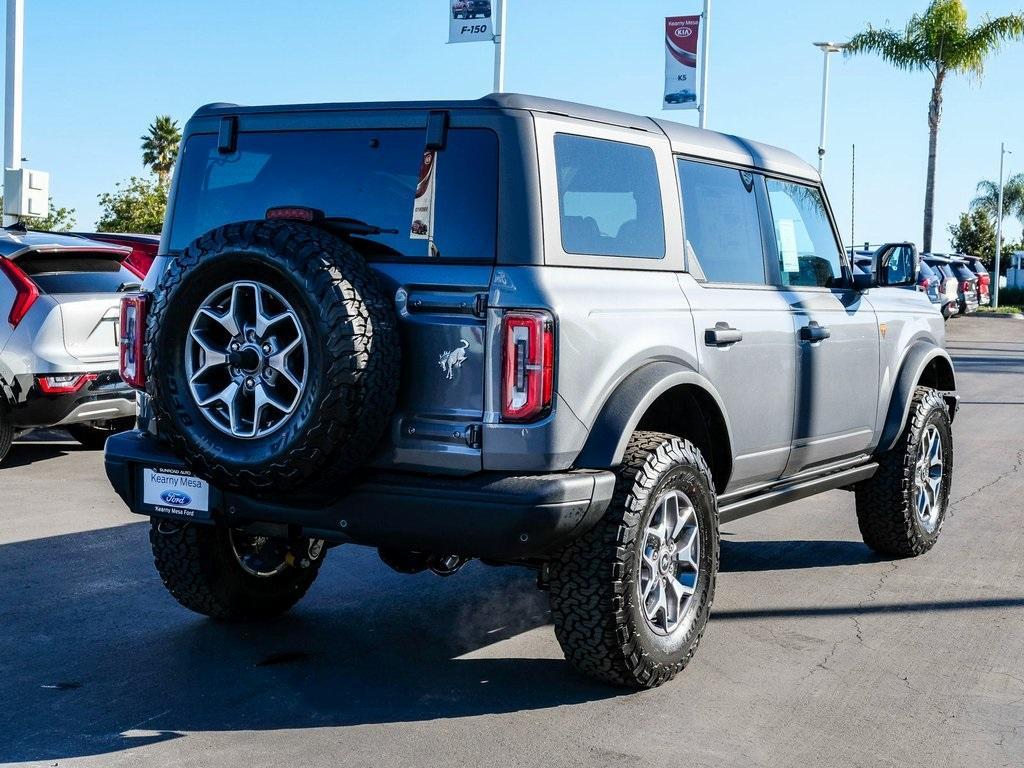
(59, 349)
(958, 284)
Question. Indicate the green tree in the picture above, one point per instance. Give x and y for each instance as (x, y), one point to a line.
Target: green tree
(57, 220)
(160, 147)
(974, 234)
(137, 205)
(987, 198)
(940, 42)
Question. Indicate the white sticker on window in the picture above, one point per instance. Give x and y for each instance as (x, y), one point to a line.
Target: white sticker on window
(785, 229)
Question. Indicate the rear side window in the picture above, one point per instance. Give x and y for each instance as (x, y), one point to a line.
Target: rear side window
(609, 198)
(722, 226)
(369, 175)
(808, 253)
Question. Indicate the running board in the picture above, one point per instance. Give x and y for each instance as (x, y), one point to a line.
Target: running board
(787, 492)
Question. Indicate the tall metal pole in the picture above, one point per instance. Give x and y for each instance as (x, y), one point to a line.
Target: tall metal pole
(999, 227)
(499, 46)
(705, 50)
(824, 113)
(827, 49)
(13, 89)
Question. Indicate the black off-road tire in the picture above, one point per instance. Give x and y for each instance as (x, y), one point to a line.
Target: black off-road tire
(198, 566)
(94, 436)
(594, 599)
(6, 430)
(353, 358)
(886, 503)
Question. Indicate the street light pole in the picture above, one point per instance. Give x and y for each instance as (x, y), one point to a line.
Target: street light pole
(1003, 152)
(13, 90)
(827, 49)
(499, 47)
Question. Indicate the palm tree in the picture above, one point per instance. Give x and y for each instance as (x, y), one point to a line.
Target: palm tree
(940, 42)
(160, 147)
(987, 198)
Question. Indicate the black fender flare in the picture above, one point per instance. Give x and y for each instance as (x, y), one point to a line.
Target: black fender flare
(918, 358)
(628, 403)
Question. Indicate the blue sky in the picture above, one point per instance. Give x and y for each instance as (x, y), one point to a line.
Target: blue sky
(97, 72)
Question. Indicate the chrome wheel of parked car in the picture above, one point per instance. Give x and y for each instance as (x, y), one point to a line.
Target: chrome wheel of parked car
(928, 478)
(668, 567)
(246, 359)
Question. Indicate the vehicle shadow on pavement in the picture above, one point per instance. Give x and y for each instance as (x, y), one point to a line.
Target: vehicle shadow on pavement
(98, 658)
(25, 453)
(744, 556)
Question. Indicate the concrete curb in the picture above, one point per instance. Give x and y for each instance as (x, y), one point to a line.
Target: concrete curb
(998, 315)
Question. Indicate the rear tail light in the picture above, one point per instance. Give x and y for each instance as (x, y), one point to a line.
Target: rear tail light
(528, 341)
(64, 384)
(25, 291)
(133, 338)
(965, 286)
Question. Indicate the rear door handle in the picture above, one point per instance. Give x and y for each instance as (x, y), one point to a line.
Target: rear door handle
(813, 332)
(722, 336)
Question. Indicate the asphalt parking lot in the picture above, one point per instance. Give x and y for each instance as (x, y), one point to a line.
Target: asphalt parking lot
(818, 652)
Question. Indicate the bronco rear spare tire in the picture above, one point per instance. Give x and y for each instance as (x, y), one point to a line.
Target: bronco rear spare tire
(273, 354)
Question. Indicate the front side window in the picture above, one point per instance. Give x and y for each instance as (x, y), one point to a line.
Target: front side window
(808, 254)
(722, 228)
(609, 198)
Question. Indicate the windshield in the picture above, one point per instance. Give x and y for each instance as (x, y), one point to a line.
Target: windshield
(369, 175)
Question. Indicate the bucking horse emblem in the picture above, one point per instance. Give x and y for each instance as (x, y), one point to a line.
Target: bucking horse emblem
(452, 359)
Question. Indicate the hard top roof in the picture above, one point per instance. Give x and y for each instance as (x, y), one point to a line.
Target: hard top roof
(685, 139)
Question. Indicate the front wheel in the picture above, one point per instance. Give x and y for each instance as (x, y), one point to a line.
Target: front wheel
(631, 597)
(227, 574)
(901, 509)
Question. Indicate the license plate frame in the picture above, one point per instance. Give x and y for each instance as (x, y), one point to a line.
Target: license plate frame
(174, 492)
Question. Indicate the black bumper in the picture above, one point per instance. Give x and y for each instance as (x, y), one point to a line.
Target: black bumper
(490, 515)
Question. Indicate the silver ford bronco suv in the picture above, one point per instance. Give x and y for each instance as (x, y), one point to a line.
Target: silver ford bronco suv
(599, 337)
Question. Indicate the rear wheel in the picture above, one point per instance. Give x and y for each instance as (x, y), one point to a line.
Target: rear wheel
(228, 574)
(901, 509)
(6, 430)
(94, 435)
(632, 596)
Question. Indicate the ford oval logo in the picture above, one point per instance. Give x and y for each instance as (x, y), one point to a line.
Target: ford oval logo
(176, 498)
(683, 32)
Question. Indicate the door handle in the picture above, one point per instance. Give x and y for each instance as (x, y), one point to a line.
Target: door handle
(813, 332)
(722, 336)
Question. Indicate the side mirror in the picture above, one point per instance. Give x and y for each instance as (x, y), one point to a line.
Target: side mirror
(896, 265)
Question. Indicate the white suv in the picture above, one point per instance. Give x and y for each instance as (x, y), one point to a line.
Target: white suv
(59, 304)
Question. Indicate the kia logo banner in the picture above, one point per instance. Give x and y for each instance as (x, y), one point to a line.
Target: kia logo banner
(682, 36)
(470, 21)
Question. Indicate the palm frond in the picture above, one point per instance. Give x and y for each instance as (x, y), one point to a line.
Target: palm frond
(901, 49)
(969, 53)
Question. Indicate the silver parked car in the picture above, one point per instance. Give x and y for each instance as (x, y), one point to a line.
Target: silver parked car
(60, 297)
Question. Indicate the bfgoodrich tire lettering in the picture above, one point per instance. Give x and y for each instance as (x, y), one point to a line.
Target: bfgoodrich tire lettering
(599, 619)
(353, 355)
(887, 510)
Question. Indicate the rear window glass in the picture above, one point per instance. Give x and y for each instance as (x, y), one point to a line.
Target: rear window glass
(927, 271)
(978, 267)
(609, 198)
(77, 273)
(963, 273)
(369, 175)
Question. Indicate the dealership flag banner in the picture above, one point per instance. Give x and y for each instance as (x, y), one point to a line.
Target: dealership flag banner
(682, 34)
(423, 206)
(470, 21)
